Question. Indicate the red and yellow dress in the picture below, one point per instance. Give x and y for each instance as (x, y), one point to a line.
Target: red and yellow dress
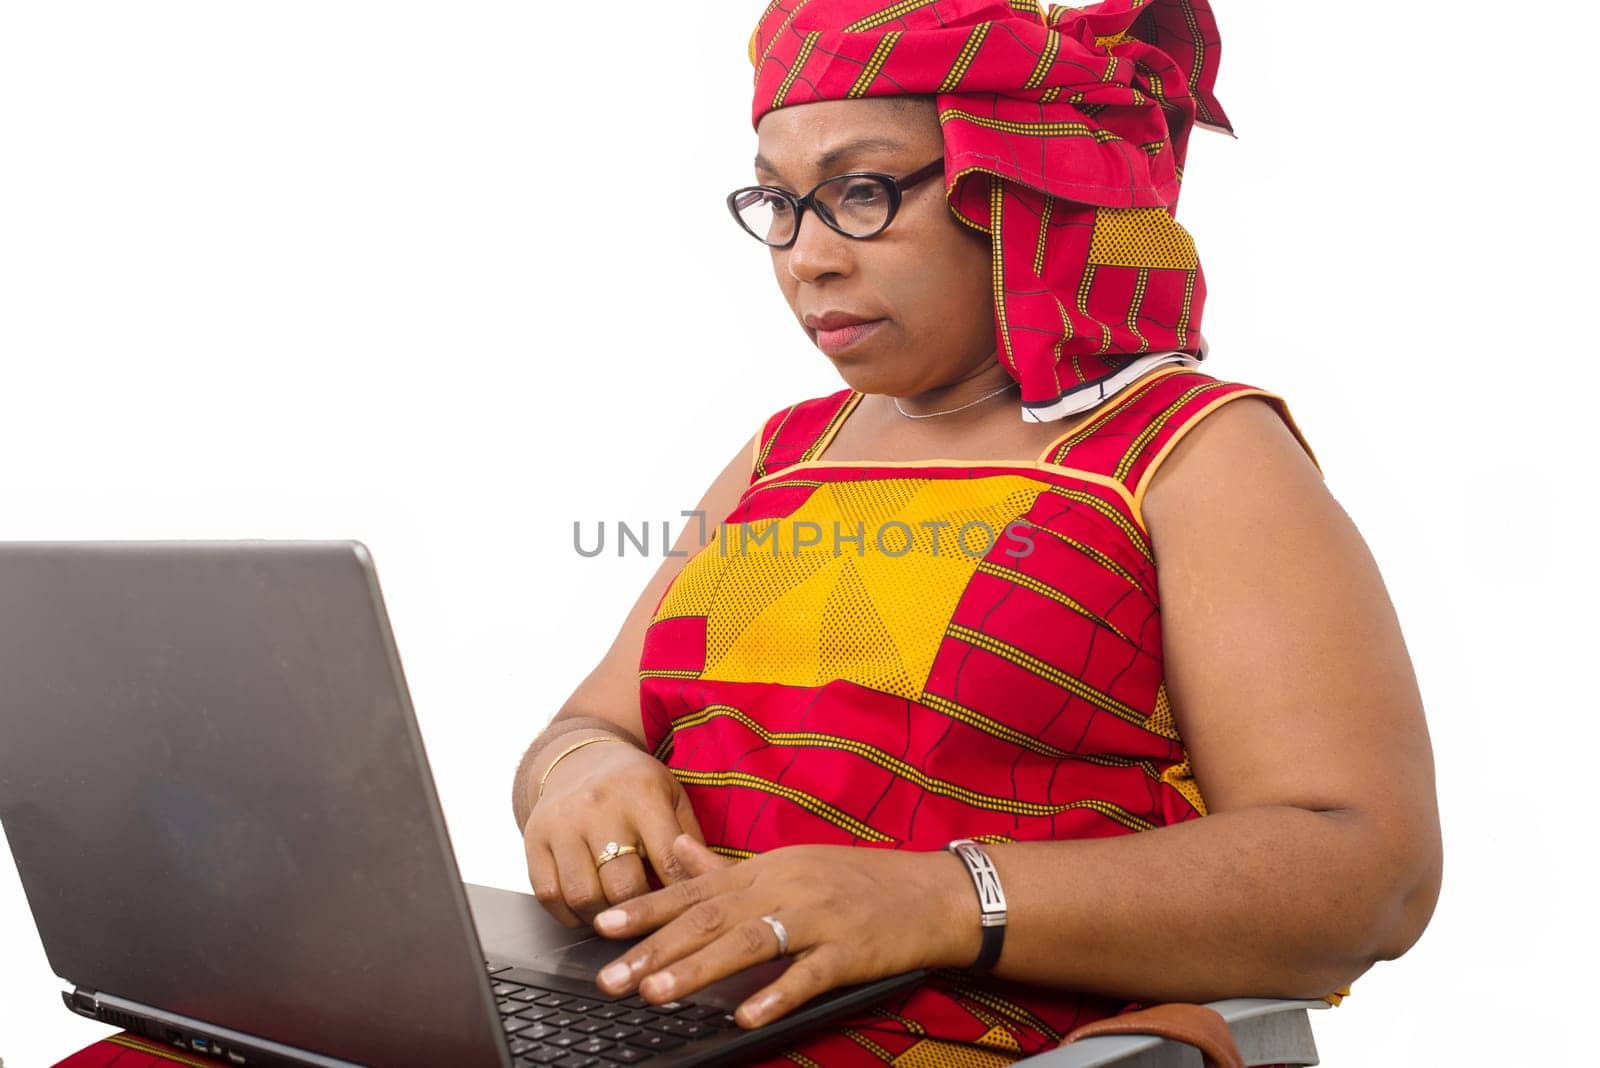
(895, 654)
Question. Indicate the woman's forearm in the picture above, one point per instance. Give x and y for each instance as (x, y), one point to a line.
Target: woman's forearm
(1273, 901)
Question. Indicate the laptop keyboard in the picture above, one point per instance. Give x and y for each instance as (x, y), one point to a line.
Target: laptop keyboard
(556, 1027)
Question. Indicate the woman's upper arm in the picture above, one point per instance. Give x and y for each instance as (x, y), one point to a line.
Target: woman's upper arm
(1285, 664)
(611, 690)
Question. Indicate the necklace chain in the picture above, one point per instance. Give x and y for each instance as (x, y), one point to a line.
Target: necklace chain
(949, 411)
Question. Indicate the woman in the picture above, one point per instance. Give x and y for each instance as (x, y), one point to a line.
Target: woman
(926, 619)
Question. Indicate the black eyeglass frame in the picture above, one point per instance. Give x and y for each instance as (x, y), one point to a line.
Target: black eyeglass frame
(798, 204)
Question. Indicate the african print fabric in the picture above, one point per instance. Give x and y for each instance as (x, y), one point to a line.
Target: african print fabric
(892, 655)
(134, 1051)
(1065, 132)
(900, 696)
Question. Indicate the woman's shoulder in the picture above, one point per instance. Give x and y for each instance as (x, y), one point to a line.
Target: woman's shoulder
(1138, 432)
(809, 408)
(1191, 396)
(1202, 423)
(793, 432)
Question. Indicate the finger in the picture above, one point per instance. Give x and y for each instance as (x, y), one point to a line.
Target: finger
(580, 883)
(696, 857)
(657, 829)
(694, 929)
(816, 970)
(689, 915)
(623, 879)
(546, 883)
(686, 817)
(736, 947)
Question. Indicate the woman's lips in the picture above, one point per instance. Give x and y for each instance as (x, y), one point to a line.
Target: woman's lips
(834, 342)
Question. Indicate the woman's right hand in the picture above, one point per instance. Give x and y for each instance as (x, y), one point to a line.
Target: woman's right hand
(607, 792)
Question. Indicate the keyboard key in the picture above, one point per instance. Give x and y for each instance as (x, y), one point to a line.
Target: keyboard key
(507, 1007)
(504, 990)
(701, 1012)
(588, 1026)
(514, 1025)
(683, 1028)
(579, 1005)
(668, 1008)
(493, 967)
(617, 1034)
(527, 993)
(610, 1012)
(561, 1018)
(539, 1032)
(655, 1040)
(580, 1060)
(543, 1055)
(593, 1045)
(722, 1021)
(533, 1013)
(637, 1018)
(554, 1000)
(625, 1055)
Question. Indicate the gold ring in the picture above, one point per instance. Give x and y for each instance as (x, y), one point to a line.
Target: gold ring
(612, 851)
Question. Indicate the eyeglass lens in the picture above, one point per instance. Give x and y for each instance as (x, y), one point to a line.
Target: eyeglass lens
(856, 205)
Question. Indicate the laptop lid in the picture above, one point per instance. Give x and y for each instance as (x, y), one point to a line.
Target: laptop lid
(218, 803)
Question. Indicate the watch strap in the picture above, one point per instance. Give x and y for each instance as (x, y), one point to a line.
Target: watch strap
(991, 900)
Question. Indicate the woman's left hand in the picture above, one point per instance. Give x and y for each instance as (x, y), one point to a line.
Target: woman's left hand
(851, 915)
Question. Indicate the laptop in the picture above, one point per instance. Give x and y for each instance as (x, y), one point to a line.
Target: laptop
(221, 812)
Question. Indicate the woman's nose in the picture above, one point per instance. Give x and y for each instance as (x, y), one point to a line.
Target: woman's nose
(817, 250)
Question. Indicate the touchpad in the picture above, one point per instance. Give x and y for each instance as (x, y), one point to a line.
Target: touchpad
(583, 960)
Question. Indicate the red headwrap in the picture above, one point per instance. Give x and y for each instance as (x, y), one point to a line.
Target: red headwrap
(1064, 133)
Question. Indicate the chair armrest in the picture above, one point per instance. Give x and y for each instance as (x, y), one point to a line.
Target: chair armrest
(1268, 1031)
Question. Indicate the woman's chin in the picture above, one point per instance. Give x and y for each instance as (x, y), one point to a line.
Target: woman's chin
(861, 375)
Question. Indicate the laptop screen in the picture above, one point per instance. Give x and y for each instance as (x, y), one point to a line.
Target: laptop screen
(213, 786)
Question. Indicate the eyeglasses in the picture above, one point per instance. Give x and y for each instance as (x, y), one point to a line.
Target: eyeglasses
(859, 205)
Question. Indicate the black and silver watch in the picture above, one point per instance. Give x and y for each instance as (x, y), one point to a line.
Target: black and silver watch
(991, 900)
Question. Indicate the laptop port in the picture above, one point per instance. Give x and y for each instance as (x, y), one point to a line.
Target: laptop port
(236, 1057)
(200, 1044)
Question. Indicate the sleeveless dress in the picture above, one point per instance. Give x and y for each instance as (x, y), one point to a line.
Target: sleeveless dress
(891, 655)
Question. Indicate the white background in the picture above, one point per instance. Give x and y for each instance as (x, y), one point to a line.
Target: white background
(448, 277)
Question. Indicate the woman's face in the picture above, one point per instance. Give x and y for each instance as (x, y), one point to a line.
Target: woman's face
(925, 280)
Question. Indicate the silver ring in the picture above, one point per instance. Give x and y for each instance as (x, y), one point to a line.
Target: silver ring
(779, 930)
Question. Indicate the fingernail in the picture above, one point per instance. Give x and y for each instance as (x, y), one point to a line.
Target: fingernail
(611, 918)
(614, 974)
(757, 1013)
(658, 985)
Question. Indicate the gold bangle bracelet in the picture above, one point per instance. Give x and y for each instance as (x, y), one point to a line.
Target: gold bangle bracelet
(568, 751)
